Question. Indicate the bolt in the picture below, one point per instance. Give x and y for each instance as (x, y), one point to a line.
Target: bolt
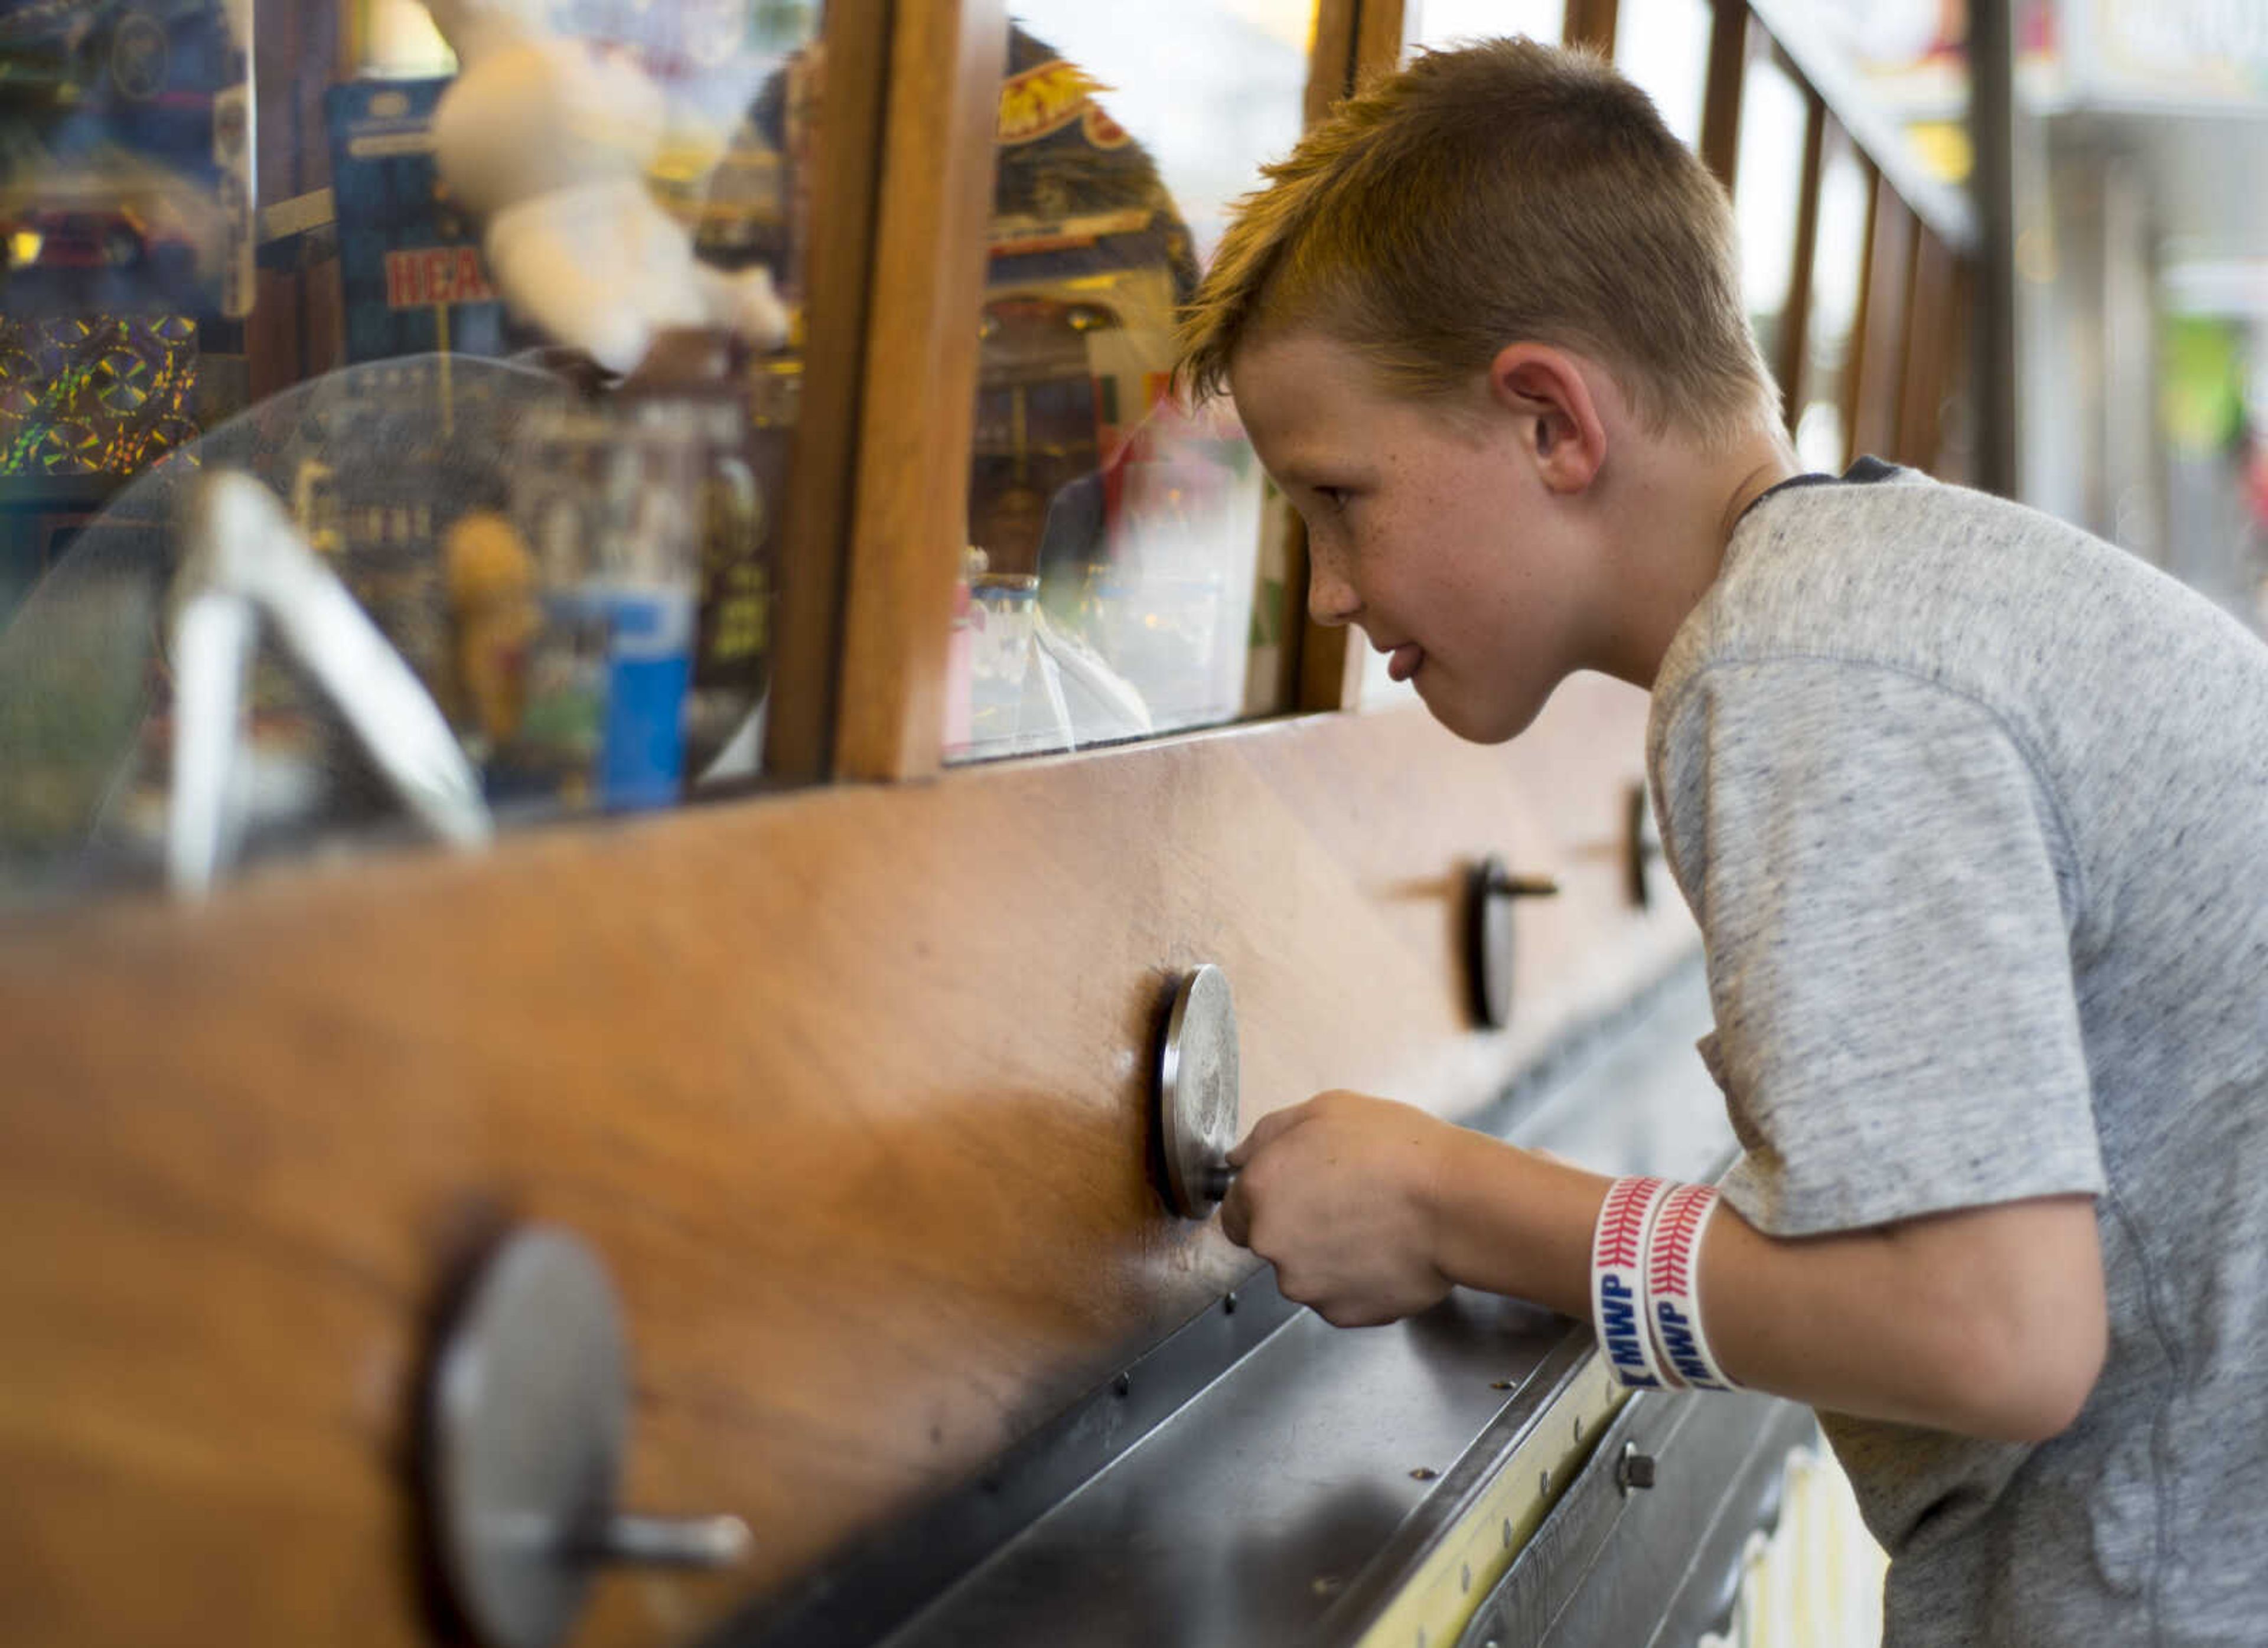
(1425, 1473)
(1500, 1384)
(1506, 885)
(1634, 1470)
(1122, 1384)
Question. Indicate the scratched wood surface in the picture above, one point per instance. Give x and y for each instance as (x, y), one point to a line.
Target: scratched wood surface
(848, 1087)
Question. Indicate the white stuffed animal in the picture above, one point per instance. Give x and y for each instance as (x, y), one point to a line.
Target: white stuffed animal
(549, 139)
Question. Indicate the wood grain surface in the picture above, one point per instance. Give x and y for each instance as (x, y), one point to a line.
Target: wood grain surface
(1879, 347)
(814, 529)
(848, 1087)
(917, 404)
(1795, 317)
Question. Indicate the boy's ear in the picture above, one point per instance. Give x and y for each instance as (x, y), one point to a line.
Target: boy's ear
(1546, 390)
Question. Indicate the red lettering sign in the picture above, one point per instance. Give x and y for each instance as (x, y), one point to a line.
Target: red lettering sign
(424, 276)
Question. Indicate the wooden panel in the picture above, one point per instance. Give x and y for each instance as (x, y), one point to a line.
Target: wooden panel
(847, 1086)
(1720, 107)
(919, 390)
(1591, 23)
(1881, 345)
(1379, 33)
(1955, 458)
(800, 724)
(1795, 321)
(1854, 348)
(1331, 64)
(1929, 358)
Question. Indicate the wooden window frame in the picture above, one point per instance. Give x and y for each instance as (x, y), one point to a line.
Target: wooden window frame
(868, 563)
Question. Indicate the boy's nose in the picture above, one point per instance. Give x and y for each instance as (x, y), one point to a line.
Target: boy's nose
(1331, 600)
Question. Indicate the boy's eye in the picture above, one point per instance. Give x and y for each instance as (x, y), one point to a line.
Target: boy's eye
(1336, 496)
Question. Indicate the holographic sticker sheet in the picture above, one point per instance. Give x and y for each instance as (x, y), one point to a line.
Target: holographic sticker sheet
(97, 395)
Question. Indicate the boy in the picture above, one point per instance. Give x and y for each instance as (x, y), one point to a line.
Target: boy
(1972, 810)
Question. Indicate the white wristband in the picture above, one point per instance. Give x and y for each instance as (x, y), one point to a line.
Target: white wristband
(1673, 1287)
(1618, 1299)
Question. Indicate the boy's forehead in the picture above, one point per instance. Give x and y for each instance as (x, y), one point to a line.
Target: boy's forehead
(1294, 386)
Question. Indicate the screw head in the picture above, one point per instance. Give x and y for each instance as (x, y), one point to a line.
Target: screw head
(1634, 1470)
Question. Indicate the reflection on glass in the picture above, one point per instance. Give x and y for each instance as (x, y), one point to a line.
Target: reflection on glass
(1663, 46)
(1768, 195)
(1125, 574)
(1438, 23)
(1837, 273)
(366, 367)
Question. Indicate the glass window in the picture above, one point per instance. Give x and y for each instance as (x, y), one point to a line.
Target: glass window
(1437, 23)
(1126, 571)
(1768, 193)
(1664, 47)
(515, 397)
(1822, 436)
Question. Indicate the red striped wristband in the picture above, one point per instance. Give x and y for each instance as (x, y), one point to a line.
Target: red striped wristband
(1673, 1288)
(1618, 1300)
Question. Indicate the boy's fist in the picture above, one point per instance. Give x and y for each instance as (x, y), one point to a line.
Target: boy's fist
(1339, 1194)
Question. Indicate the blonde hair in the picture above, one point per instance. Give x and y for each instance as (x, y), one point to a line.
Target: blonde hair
(1503, 192)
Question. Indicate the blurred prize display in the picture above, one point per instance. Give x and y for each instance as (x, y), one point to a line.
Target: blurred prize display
(126, 182)
(538, 557)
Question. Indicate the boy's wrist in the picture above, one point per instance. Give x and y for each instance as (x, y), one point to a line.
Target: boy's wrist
(1444, 1196)
(1507, 1220)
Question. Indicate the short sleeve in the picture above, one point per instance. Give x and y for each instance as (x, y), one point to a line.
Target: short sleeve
(1886, 895)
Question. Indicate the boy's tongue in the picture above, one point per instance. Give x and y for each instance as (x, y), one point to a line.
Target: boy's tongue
(1404, 663)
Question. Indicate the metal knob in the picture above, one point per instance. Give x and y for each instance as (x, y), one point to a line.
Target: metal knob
(1195, 1085)
(1490, 888)
(1641, 846)
(527, 1419)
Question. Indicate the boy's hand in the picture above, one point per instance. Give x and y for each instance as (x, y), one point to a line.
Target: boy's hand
(1340, 1195)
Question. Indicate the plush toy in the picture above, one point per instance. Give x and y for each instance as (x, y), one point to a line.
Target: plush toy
(549, 140)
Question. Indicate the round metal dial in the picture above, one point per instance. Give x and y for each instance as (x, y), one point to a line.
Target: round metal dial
(529, 1409)
(1197, 1104)
(1488, 943)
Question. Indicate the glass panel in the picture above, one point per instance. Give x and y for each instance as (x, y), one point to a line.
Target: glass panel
(1663, 46)
(1437, 23)
(1820, 435)
(1126, 570)
(1768, 194)
(218, 259)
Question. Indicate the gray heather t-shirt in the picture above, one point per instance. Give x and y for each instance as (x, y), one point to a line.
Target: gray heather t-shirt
(1973, 809)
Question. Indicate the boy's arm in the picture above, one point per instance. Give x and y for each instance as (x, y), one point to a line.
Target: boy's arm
(1988, 1322)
